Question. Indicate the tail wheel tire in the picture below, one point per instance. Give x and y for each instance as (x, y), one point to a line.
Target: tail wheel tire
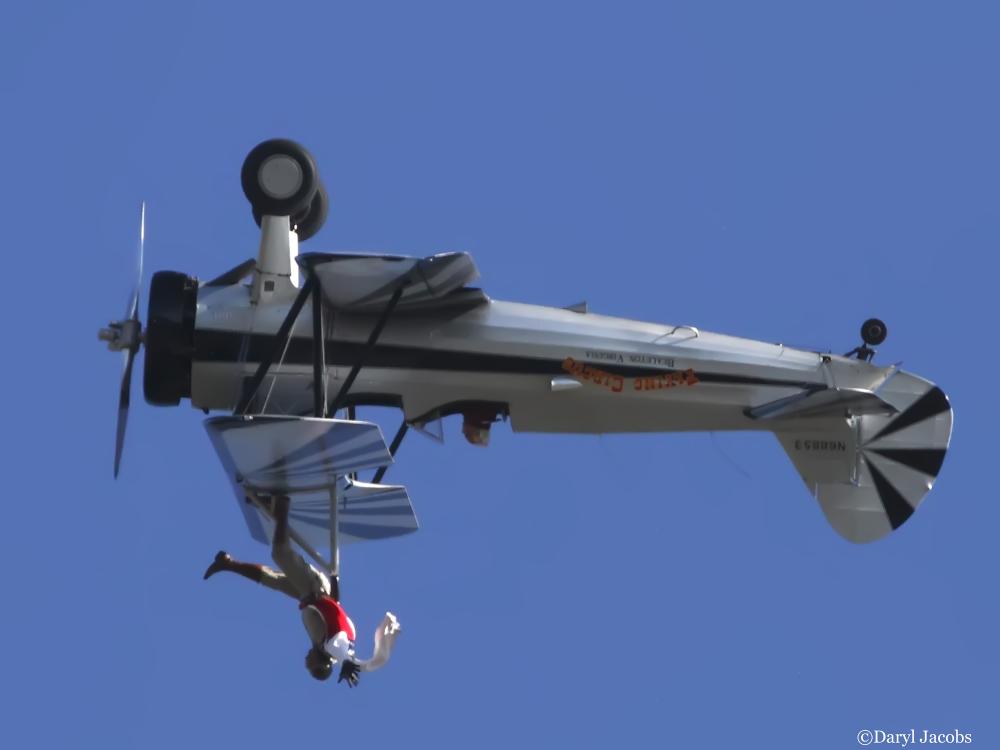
(873, 332)
(279, 178)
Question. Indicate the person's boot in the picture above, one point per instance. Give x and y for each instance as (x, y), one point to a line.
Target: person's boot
(223, 561)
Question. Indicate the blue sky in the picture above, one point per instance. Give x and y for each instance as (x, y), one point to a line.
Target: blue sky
(774, 170)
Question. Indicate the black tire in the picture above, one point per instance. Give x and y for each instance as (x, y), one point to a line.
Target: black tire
(873, 332)
(309, 221)
(314, 219)
(279, 178)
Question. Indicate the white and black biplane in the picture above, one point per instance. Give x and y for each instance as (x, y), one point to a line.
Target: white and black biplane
(285, 341)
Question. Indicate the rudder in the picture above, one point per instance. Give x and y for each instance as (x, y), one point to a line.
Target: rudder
(870, 472)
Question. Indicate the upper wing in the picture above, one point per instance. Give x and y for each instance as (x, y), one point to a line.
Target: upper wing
(304, 458)
(366, 283)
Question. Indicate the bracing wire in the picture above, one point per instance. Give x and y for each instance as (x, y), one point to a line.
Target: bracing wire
(274, 378)
(728, 458)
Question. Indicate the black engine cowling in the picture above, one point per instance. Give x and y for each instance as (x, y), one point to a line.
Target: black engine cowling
(169, 338)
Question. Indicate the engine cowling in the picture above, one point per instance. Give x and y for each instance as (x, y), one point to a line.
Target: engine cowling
(169, 338)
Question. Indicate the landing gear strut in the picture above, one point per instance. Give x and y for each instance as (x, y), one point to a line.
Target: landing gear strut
(873, 333)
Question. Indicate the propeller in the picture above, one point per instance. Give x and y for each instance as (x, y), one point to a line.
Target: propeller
(125, 336)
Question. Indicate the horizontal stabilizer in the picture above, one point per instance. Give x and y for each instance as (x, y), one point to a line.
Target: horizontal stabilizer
(870, 472)
(826, 402)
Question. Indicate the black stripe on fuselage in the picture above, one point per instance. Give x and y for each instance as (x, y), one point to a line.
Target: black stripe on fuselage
(232, 347)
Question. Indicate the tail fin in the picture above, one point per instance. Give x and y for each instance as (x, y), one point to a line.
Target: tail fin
(870, 472)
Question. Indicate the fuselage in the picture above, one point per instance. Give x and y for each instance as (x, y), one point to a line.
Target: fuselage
(548, 369)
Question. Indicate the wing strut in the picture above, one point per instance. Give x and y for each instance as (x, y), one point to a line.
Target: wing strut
(264, 507)
(280, 339)
(372, 340)
(334, 528)
(320, 405)
(311, 286)
(352, 414)
(319, 353)
(393, 447)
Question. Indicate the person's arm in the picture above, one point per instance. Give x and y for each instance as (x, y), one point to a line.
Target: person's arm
(385, 639)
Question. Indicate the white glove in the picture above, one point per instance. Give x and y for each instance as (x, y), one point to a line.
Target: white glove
(385, 639)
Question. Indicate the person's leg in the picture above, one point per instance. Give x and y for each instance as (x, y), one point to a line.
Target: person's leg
(261, 574)
(301, 577)
(224, 562)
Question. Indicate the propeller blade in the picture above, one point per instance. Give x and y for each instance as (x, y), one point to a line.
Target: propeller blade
(124, 397)
(133, 306)
(132, 331)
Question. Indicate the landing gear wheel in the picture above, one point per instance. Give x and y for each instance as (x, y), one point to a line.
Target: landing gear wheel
(873, 332)
(311, 219)
(279, 178)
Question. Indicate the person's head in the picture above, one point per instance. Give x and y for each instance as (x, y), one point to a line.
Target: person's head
(319, 663)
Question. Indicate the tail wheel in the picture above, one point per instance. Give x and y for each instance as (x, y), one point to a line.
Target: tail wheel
(279, 178)
(873, 332)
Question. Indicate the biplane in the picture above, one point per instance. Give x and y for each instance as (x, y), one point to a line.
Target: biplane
(416, 334)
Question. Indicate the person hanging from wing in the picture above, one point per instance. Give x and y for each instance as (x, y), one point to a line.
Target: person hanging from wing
(328, 625)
